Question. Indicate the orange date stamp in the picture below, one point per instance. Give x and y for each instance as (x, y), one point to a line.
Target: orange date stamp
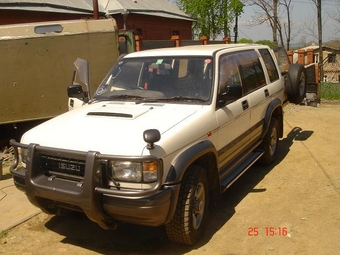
(267, 231)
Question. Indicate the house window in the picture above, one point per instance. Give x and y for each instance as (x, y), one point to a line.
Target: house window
(316, 58)
(331, 58)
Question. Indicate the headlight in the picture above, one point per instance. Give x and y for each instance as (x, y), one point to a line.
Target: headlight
(133, 171)
(126, 171)
(23, 154)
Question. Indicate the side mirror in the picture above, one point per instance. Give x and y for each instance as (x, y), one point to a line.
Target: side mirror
(81, 68)
(76, 91)
(150, 137)
(232, 92)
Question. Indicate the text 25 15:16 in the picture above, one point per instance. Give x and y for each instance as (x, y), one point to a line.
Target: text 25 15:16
(269, 231)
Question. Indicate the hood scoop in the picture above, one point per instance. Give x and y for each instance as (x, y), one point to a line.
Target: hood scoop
(111, 114)
(120, 111)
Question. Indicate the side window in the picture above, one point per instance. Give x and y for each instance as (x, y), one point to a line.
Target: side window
(270, 65)
(251, 71)
(228, 72)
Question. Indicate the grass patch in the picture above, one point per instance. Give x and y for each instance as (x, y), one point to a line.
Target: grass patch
(330, 91)
(3, 234)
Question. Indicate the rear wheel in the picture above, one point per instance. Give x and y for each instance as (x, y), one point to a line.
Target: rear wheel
(189, 221)
(270, 143)
(296, 83)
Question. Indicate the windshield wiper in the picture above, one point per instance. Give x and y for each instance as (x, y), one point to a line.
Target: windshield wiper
(183, 98)
(140, 99)
(175, 98)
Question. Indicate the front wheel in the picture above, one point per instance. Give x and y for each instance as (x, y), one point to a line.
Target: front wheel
(189, 221)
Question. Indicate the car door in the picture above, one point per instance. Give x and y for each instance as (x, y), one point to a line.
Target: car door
(268, 86)
(233, 118)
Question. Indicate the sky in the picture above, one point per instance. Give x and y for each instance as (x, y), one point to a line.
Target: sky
(304, 13)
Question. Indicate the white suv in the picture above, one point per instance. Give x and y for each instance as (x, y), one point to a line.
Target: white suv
(166, 131)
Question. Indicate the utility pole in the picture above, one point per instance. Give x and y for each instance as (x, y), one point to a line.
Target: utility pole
(95, 9)
(275, 21)
(238, 11)
(320, 39)
(226, 27)
(236, 29)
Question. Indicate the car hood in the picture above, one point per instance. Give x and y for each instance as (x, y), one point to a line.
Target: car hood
(108, 127)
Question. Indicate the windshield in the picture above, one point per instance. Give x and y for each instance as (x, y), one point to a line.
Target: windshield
(179, 79)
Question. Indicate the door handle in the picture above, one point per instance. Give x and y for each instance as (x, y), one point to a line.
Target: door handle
(245, 105)
(266, 92)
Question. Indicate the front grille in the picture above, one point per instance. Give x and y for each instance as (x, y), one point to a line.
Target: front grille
(69, 168)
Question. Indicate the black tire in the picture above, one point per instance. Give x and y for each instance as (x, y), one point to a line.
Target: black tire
(270, 143)
(189, 221)
(296, 83)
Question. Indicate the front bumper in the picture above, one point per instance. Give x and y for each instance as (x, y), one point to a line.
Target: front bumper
(101, 204)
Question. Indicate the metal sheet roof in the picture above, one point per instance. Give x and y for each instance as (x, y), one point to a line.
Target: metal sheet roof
(146, 7)
(61, 6)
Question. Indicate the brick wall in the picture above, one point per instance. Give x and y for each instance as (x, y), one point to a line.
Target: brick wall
(19, 16)
(149, 27)
(156, 28)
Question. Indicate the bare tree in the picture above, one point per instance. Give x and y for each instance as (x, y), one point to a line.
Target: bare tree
(311, 26)
(318, 5)
(335, 15)
(268, 12)
(288, 25)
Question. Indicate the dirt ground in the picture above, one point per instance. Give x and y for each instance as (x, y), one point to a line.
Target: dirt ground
(298, 198)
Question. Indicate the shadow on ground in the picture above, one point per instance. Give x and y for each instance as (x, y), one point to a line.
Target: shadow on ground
(132, 239)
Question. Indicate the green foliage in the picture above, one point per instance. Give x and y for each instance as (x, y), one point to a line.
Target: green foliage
(245, 40)
(266, 42)
(214, 17)
(330, 91)
(3, 234)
